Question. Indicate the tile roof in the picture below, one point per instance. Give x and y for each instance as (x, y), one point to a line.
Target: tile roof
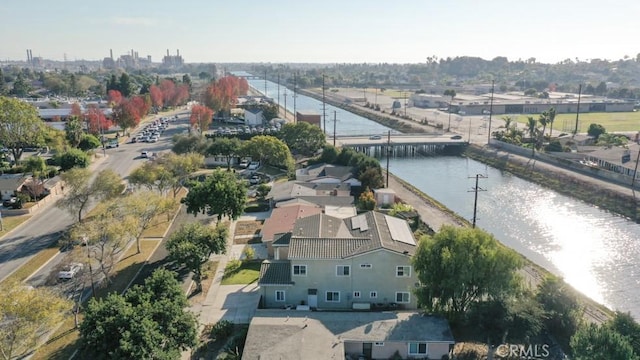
(275, 273)
(328, 200)
(283, 218)
(325, 237)
(281, 239)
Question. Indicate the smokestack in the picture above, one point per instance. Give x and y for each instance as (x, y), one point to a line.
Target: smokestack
(178, 52)
(132, 54)
(31, 55)
(149, 58)
(111, 53)
(167, 52)
(28, 60)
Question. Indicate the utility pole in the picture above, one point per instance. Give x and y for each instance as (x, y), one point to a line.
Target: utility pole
(388, 153)
(265, 82)
(278, 92)
(476, 189)
(334, 127)
(295, 95)
(285, 103)
(405, 104)
(324, 107)
(490, 114)
(575, 131)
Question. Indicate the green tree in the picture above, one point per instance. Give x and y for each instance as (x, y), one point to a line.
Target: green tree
(3, 84)
(551, 113)
(329, 154)
(371, 178)
(72, 158)
(625, 325)
(146, 206)
(543, 119)
(125, 86)
(226, 147)
(270, 111)
(562, 311)
(20, 126)
(596, 130)
(303, 138)
(26, 314)
(152, 176)
(269, 151)
(21, 87)
(148, 322)
(193, 244)
(459, 266)
(80, 189)
(183, 144)
(35, 165)
(452, 94)
(220, 194)
(596, 342)
(180, 167)
(73, 130)
(262, 191)
(532, 129)
(89, 142)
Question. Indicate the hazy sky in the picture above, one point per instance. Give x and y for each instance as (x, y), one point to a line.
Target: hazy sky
(345, 31)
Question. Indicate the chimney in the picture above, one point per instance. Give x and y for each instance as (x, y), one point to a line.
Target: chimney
(111, 53)
(167, 52)
(149, 58)
(178, 52)
(28, 59)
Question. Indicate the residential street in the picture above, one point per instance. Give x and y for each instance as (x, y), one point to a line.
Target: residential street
(45, 227)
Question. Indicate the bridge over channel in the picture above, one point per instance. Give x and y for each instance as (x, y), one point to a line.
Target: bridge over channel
(402, 144)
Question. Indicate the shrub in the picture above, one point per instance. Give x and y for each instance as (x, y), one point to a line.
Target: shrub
(249, 253)
(232, 266)
(222, 329)
(89, 142)
(72, 158)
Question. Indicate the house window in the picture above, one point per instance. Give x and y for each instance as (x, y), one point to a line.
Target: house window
(378, 343)
(300, 270)
(332, 296)
(402, 297)
(343, 270)
(417, 348)
(373, 295)
(403, 271)
(280, 295)
(356, 294)
(365, 266)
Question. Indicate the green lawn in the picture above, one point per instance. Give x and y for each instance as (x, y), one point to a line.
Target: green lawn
(612, 122)
(247, 273)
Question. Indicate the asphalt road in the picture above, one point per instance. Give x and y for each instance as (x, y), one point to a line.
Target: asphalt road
(46, 226)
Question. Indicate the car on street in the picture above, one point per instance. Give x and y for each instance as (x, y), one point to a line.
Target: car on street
(244, 163)
(456, 137)
(146, 154)
(375, 137)
(9, 202)
(70, 271)
(112, 144)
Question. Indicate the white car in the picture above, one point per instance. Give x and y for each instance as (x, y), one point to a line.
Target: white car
(70, 271)
(254, 165)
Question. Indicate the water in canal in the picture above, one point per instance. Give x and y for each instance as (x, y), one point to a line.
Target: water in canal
(596, 252)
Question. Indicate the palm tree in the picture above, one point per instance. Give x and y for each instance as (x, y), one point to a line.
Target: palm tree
(532, 129)
(507, 121)
(552, 117)
(452, 93)
(544, 121)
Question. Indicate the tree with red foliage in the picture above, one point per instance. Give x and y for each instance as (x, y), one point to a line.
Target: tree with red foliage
(222, 94)
(201, 117)
(115, 97)
(96, 120)
(157, 99)
(243, 86)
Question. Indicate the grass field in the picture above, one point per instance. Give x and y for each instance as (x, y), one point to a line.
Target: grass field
(11, 222)
(247, 273)
(612, 122)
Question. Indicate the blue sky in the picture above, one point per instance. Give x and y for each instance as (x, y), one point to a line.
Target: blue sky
(346, 31)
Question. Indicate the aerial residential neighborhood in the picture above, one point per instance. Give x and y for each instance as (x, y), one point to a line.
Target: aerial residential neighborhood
(345, 180)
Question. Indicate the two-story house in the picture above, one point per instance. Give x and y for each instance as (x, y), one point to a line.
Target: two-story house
(325, 262)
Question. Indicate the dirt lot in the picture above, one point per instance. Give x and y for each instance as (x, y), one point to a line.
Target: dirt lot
(247, 231)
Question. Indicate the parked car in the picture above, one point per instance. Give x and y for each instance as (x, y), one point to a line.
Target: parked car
(70, 271)
(254, 165)
(244, 164)
(456, 137)
(9, 203)
(375, 137)
(146, 154)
